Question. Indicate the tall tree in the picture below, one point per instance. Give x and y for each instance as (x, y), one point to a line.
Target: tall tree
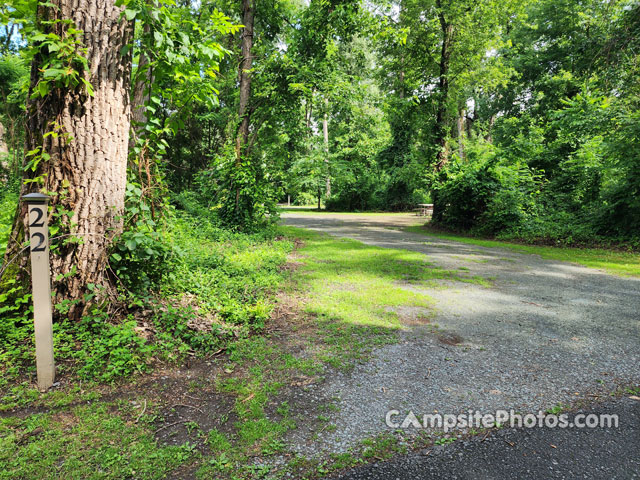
(77, 137)
(244, 79)
(440, 133)
(325, 134)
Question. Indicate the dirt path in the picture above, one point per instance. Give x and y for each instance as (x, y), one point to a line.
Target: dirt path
(544, 333)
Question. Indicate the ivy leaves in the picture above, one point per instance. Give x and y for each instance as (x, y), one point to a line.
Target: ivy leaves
(64, 58)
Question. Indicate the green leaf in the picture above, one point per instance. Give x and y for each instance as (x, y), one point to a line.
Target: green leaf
(158, 38)
(43, 88)
(88, 85)
(53, 73)
(130, 14)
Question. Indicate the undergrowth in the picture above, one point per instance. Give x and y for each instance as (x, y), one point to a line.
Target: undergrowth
(212, 286)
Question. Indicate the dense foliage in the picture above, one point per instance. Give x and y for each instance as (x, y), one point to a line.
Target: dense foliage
(526, 128)
(207, 287)
(555, 157)
(516, 119)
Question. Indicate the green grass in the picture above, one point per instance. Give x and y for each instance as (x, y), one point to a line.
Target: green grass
(219, 278)
(353, 290)
(611, 261)
(348, 293)
(214, 278)
(86, 442)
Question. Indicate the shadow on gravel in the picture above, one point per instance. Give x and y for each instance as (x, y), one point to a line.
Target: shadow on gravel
(535, 453)
(544, 333)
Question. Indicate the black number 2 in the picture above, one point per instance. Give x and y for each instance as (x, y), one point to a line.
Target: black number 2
(38, 221)
(40, 247)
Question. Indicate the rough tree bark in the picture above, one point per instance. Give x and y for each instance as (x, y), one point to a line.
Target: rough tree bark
(325, 133)
(440, 128)
(244, 78)
(86, 172)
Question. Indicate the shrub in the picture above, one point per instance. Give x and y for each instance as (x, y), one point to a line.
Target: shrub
(487, 196)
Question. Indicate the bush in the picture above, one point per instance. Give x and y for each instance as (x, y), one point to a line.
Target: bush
(304, 199)
(139, 258)
(486, 197)
(219, 288)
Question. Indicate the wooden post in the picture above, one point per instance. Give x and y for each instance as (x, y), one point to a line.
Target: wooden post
(37, 204)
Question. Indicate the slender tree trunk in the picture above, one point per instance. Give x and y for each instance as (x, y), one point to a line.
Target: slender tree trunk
(325, 133)
(4, 151)
(244, 78)
(443, 88)
(141, 89)
(10, 31)
(489, 136)
(461, 118)
(308, 112)
(401, 75)
(4, 148)
(86, 172)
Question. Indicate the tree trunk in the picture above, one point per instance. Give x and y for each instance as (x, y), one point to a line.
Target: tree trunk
(443, 88)
(401, 75)
(325, 133)
(492, 121)
(308, 112)
(461, 118)
(141, 89)
(86, 172)
(4, 152)
(244, 78)
(4, 149)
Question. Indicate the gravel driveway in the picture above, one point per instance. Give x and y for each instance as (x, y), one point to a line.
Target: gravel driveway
(545, 333)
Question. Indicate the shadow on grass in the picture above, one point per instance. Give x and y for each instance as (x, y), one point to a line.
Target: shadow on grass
(355, 291)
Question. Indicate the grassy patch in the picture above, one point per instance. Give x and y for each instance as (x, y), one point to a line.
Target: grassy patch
(353, 291)
(350, 291)
(86, 442)
(216, 293)
(259, 370)
(611, 261)
(215, 287)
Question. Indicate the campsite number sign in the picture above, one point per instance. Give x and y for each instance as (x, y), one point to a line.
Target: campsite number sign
(37, 204)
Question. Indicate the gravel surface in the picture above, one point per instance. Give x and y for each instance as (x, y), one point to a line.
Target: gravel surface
(545, 332)
(601, 453)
